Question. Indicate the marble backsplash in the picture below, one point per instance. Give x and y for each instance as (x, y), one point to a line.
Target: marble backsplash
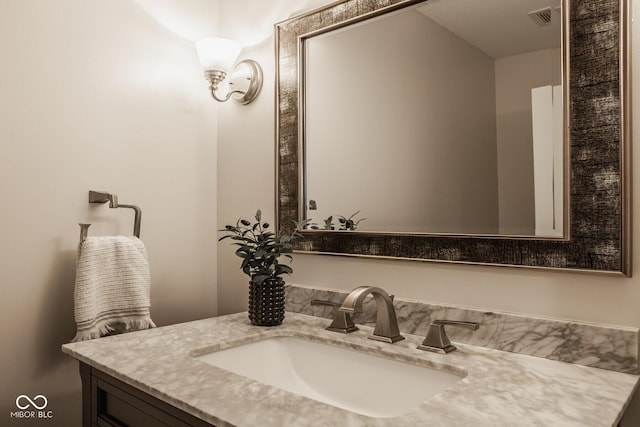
(600, 346)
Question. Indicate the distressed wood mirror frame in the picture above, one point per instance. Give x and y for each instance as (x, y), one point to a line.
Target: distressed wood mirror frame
(599, 217)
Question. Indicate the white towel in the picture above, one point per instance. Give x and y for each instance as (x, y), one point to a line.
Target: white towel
(112, 287)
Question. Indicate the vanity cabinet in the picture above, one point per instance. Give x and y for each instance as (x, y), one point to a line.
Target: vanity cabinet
(108, 402)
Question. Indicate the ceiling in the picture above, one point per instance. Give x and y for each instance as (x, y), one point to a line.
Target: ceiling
(499, 28)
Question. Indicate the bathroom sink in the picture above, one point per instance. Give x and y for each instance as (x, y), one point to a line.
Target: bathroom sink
(349, 379)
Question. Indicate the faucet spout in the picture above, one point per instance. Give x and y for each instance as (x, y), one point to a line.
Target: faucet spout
(386, 328)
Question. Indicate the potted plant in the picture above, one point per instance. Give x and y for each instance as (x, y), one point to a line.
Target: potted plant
(261, 250)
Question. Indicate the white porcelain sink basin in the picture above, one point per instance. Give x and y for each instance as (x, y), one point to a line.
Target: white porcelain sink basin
(349, 379)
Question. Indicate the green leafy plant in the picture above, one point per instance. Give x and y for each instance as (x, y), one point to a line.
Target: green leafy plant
(345, 223)
(328, 224)
(260, 248)
(349, 223)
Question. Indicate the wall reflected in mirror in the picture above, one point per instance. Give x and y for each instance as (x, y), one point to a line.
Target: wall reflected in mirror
(441, 118)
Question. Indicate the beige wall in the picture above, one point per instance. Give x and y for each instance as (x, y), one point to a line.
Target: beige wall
(584, 297)
(246, 137)
(95, 95)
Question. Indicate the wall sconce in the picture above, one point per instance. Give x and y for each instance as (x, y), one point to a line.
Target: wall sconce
(217, 57)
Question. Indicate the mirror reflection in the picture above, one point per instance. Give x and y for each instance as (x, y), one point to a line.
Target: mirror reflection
(441, 118)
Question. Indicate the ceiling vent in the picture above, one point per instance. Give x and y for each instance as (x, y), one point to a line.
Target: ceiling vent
(542, 17)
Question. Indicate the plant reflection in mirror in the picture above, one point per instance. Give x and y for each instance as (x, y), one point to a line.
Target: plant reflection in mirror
(328, 224)
(349, 223)
(345, 223)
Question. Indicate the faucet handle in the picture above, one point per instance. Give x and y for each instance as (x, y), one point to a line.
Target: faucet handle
(437, 339)
(342, 322)
(324, 302)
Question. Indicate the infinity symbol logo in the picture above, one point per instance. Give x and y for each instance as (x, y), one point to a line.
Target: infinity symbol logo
(30, 402)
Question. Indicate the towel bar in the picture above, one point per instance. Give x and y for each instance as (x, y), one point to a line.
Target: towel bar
(104, 197)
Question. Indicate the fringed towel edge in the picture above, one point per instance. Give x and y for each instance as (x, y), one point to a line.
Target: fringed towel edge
(104, 327)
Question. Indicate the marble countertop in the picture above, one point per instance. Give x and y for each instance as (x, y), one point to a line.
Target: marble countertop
(501, 388)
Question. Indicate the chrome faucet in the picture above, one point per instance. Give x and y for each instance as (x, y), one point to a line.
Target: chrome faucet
(386, 329)
(437, 339)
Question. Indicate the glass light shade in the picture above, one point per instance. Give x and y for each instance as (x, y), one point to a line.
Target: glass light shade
(217, 53)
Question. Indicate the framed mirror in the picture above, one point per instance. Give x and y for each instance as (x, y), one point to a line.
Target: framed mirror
(349, 142)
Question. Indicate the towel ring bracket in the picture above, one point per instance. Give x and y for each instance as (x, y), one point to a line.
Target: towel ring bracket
(104, 197)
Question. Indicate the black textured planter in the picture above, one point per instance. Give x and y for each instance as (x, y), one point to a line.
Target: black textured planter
(266, 302)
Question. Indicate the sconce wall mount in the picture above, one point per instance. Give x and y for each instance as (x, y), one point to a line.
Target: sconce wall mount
(244, 79)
